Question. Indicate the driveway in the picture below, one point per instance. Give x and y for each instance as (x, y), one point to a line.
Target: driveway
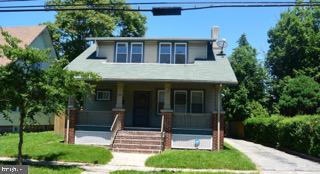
(272, 161)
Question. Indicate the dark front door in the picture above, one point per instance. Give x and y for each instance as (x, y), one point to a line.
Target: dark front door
(141, 108)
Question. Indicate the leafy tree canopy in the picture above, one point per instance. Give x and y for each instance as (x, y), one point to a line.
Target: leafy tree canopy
(251, 77)
(295, 44)
(70, 28)
(35, 83)
(299, 95)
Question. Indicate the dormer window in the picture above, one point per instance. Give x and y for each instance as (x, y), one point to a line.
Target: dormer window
(165, 53)
(180, 53)
(122, 52)
(136, 52)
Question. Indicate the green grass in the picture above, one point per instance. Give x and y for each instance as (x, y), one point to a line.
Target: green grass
(33, 169)
(162, 172)
(229, 158)
(49, 146)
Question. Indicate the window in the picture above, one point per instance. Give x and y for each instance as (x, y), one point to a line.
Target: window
(180, 101)
(180, 53)
(136, 52)
(160, 102)
(196, 103)
(103, 95)
(121, 52)
(165, 53)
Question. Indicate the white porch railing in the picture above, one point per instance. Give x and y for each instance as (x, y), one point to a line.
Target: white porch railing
(116, 126)
(162, 132)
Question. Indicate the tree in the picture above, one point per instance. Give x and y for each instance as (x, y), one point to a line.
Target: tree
(300, 95)
(295, 44)
(70, 28)
(251, 77)
(24, 83)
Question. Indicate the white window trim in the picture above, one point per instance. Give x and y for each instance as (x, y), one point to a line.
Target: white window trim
(165, 43)
(107, 99)
(202, 93)
(126, 43)
(174, 100)
(185, 52)
(158, 101)
(136, 43)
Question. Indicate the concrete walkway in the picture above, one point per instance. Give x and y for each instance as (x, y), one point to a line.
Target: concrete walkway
(272, 161)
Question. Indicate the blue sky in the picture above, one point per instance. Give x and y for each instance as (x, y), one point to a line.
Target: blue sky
(255, 22)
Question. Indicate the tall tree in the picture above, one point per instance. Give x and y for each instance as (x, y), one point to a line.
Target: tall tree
(72, 27)
(295, 44)
(24, 83)
(251, 77)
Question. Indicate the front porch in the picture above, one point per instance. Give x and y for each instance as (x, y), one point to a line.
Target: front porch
(188, 115)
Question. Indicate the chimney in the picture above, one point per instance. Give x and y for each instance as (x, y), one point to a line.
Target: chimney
(215, 33)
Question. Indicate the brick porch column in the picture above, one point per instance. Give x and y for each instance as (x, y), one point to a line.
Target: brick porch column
(121, 117)
(72, 125)
(215, 130)
(167, 128)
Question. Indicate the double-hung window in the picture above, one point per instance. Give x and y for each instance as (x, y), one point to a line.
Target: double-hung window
(196, 102)
(122, 52)
(180, 101)
(165, 53)
(136, 55)
(103, 95)
(160, 102)
(180, 53)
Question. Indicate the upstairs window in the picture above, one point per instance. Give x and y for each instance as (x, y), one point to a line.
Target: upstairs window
(196, 103)
(122, 52)
(180, 53)
(136, 52)
(165, 53)
(180, 101)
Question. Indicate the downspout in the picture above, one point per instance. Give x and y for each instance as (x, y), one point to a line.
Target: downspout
(68, 120)
(218, 120)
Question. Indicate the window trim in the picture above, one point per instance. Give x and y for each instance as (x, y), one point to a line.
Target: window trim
(136, 43)
(174, 100)
(163, 43)
(202, 92)
(101, 90)
(185, 52)
(158, 92)
(127, 45)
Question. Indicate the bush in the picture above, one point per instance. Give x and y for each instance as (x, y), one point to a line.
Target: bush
(257, 110)
(300, 133)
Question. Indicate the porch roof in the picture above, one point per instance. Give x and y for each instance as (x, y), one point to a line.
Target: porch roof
(218, 71)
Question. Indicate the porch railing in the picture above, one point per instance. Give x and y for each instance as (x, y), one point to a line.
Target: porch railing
(116, 126)
(162, 132)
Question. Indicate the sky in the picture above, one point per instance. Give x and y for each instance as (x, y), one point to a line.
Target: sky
(254, 22)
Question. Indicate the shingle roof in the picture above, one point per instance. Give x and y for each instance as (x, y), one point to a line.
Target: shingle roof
(218, 71)
(27, 34)
(146, 39)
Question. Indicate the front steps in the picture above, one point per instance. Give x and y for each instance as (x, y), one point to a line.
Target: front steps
(137, 141)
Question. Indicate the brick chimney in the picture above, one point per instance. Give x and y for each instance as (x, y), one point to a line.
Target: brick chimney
(215, 33)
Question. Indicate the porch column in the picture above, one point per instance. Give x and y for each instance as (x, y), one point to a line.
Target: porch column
(119, 110)
(167, 112)
(70, 125)
(218, 123)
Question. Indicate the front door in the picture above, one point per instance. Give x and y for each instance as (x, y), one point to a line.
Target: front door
(141, 108)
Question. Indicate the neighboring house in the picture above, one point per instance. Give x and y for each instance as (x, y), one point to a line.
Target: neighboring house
(35, 37)
(155, 94)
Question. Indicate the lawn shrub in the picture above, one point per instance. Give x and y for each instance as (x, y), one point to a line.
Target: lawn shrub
(299, 133)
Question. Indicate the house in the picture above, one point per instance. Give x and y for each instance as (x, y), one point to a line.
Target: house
(155, 94)
(35, 37)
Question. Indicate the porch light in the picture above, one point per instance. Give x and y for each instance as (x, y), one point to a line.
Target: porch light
(165, 11)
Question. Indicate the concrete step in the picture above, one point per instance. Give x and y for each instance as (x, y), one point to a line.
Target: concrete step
(137, 146)
(138, 141)
(143, 133)
(135, 150)
(137, 137)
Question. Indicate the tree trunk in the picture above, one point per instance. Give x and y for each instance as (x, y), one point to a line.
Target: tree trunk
(22, 116)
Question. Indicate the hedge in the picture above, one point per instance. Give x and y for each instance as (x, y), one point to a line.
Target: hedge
(299, 133)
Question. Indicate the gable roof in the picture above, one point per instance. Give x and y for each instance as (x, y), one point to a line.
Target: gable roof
(216, 72)
(27, 34)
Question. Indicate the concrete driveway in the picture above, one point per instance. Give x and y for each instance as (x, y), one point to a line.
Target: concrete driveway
(272, 161)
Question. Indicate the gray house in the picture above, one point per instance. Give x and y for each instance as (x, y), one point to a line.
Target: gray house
(155, 94)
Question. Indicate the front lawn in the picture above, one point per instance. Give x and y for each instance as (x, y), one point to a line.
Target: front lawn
(33, 169)
(49, 146)
(229, 158)
(162, 172)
